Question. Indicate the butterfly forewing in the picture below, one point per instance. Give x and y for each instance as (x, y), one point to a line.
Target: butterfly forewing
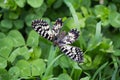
(43, 29)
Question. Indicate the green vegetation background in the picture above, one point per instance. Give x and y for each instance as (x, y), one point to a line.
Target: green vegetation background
(26, 55)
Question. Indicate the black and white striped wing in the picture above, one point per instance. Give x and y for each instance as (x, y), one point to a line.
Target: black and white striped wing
(70, 37)
(57, 26)
(43, 29)
(73, 52)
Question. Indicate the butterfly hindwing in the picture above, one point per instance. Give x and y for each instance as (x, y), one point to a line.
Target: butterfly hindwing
(43, 29)
(70, 37)
(73, 52)
(57, 26)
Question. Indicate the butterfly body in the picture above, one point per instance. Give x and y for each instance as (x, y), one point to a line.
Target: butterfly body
(60, 38)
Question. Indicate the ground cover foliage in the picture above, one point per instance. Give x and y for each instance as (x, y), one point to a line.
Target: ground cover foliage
(26, 55)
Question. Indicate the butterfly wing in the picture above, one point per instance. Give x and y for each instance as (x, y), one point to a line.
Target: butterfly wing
(57, 26)
(43, 29)
(73, 52)
(70, 37)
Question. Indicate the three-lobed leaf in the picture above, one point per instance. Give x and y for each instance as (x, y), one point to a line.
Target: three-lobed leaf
(33, 68)
(21, 51)
(6, 24)
(35, 3)
(14, 72)
(20, 3)
(17, 38)
(64, 76)
(33, 39)
(6, 47)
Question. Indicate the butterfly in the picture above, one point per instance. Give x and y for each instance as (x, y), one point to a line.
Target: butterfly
(60, 38)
